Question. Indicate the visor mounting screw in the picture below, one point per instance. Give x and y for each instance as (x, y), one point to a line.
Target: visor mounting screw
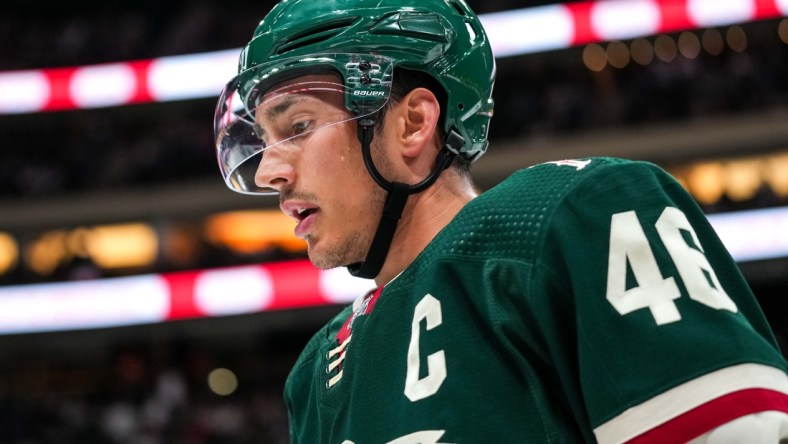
(364, 65)
(365, 79)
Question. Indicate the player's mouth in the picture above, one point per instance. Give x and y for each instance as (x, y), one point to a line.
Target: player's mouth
(304, 213)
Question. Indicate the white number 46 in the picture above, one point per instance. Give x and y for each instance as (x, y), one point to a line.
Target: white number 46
(629, 245)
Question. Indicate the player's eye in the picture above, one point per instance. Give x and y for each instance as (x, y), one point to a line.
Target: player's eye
(299, 128)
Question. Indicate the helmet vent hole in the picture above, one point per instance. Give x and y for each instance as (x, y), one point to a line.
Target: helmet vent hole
(458, 8)
(460, 106)
(317, 34)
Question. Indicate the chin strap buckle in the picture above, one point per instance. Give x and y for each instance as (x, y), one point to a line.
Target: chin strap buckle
(454, 141)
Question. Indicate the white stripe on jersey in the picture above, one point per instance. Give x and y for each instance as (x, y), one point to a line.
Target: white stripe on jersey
(650, 414)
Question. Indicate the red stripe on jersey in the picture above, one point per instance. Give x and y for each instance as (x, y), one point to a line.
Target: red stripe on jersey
(364, 308)
(708, 416)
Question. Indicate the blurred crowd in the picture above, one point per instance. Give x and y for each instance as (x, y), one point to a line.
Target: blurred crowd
(556, 94)
(46, 33)
(146, 390)
(537, 94)
(58, 154)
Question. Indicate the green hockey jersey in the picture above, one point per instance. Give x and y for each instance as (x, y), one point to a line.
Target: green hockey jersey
(577, 301)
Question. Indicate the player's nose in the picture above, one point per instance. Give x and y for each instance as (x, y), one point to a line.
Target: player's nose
(275, 170)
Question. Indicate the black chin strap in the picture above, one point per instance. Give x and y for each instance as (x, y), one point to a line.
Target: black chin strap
(396, 198)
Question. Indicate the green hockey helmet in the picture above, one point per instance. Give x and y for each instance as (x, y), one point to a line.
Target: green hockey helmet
(360, 42)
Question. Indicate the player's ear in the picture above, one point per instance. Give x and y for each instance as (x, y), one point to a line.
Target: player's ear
(416, 122)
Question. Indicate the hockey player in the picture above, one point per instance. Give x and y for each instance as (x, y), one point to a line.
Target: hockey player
(581, 300)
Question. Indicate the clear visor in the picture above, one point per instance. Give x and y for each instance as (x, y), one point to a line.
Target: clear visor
(306, 95)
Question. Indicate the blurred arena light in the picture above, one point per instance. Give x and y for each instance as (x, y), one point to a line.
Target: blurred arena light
(739, 179)
(222, 381)
(689, 45)
(712, 42)
(665, 48)
(9, 252)
(250, 232)
(705, 182)
(743, 179)
(122, 246)
(709, 13)
(595, 57)
(549, 27)
(107, 246)
(736, 38)
(782, 30)
(776, 174)
(618, 54)
(642, 51)
(153, 298)
(47, 252)
(748, 235)
(754, 234)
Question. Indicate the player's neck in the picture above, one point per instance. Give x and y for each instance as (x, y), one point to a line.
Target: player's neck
(425, 215)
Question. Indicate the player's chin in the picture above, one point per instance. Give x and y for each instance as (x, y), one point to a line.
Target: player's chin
(326, 257)
(322, 259)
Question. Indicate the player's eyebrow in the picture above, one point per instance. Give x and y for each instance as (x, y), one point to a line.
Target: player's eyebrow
(276, 110)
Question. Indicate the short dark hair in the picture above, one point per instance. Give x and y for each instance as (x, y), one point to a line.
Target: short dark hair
(405, 81)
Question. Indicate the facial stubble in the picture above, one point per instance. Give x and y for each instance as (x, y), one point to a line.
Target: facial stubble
(354, 248)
